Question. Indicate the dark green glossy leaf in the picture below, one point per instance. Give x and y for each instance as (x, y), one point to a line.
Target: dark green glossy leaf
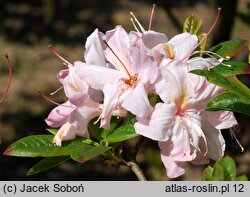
(46, 164)
(192, 25)
(100, 133)
(223, 170)
(231, 102)
(106, 132)
(232, 68)
(230, 83)
(122, 133)
(95, 129)
(229, 48)
(42, 146)
(87, 153)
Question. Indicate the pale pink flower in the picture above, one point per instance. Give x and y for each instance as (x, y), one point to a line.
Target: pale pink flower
(73, 119)
(181, 126)
(126, 77)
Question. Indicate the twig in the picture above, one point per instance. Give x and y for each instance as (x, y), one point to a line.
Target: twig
(136, 169)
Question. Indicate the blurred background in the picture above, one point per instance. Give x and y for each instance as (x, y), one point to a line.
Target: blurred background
(27, 27)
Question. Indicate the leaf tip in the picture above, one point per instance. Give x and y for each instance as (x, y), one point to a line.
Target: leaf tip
(247, 70)
(8, 151)
(80, 159)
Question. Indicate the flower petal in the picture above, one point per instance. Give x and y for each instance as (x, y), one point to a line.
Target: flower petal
(136, 100)
(81, 116)
(183, 45)
(111, 98)
(172, 84)
(73, 84)
(118, 41)
(62, 75)
(152, 38)
(94, 53)
(97, 76)
(185, 139)
(215, 140)
(142, 63)
(67, 132)
(221, 119)
(59, 115)
(173, 168)
(202, 63)
(156, 125)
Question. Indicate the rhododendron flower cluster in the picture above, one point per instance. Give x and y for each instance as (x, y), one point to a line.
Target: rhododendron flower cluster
(119, 73)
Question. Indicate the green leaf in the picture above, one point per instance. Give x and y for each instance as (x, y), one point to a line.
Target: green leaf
(230, 83)
(42, 146)
(82, 155)
(100, 133)
(208, 174)
(191, 25)
(203, 39)
(46, 164)
(229, 48)
(218, 173)
(232, 68)
(241, 178)
(122, 133)
(95, 129)
(230, 102)
(229, 168)
(106, 132)
(223, 170)
(52, 131)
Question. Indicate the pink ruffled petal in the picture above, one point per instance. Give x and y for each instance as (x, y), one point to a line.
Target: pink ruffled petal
(59, 115)
(215, 140)
(152, 38)
(111, 101)
(172, 84)
(136, 101)
(97, 76)
(183, 45)
(221, 119)
(94, 53)
(67, 132)
(157, 125)
(142, 64)
(173, 168)
(118, 41)
(202, 63)
(62, 75)
(73, 84)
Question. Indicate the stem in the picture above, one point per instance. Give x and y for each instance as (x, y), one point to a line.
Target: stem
(136, 169)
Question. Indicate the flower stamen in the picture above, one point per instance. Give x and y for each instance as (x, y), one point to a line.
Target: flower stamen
(234, 136)
(122, 67)
(49, 100)
(151, 17)
(59, 56)
(53, 93)
(9, 80)
(138, 23)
